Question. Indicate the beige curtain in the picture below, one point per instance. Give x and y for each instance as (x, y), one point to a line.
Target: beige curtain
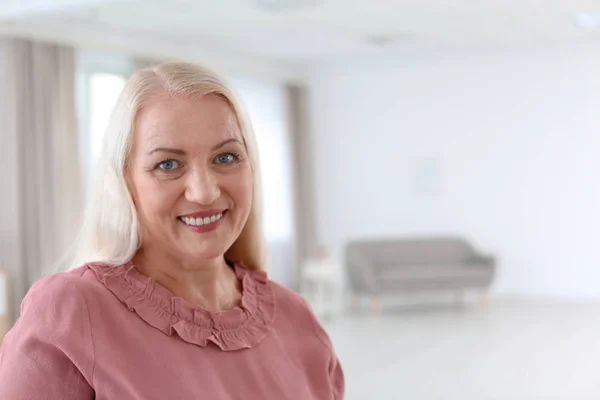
(41, 183)
(302, 167)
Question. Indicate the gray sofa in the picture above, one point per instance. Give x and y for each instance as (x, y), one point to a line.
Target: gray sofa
(377, 267)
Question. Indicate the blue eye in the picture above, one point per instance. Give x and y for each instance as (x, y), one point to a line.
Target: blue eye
(168, 165)
(226, 158)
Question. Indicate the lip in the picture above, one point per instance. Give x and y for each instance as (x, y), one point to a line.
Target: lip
(206, 213)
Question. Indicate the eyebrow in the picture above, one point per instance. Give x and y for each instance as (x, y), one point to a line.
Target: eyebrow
(182, 152)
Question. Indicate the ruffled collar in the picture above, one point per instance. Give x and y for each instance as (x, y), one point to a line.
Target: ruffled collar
(242, 327)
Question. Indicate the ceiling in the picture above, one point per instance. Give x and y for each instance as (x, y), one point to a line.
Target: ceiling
(322, 29)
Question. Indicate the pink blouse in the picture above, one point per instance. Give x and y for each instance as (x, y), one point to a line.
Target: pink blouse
(110, 333)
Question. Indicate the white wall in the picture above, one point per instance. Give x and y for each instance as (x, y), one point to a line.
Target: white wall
(517, 139)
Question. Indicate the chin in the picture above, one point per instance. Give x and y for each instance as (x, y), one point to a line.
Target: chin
(204, 252)
(206, 246)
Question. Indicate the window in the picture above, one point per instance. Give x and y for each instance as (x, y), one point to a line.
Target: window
(267, 107)
(104, 89)
(101, 78)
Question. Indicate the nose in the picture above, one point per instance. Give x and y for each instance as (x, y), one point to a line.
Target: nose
(202, 187)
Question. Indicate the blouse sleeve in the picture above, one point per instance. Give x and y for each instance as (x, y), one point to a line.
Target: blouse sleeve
(49, 352)
(337, 379)
(336, 374)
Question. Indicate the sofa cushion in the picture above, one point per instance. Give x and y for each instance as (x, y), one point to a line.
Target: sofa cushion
(432, 277)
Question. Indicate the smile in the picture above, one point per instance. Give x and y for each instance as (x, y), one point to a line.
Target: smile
(201, 221)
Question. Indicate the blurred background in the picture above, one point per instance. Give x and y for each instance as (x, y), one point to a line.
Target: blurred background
(430, 169)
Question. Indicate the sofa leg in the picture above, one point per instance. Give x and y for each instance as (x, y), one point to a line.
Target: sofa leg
(375, 306)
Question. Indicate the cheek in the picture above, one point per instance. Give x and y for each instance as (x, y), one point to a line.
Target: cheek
(155, 198)
(246, 188)
(240, 188)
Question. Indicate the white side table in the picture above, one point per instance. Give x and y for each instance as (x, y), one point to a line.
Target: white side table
(322, 286)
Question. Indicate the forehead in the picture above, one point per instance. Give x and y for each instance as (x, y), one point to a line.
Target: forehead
(184, 121)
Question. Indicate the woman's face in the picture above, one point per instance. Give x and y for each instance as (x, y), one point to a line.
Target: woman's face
(189, 176)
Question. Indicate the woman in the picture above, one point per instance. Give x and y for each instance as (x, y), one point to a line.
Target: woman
(171, 301)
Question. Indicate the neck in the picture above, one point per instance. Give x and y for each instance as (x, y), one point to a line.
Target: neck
(209, 284)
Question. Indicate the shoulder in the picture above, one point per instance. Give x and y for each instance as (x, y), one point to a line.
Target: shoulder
(54, 315)
(52, 339)
(52, 296)
(298, 311)
(61, 286)
(61, 294)
(309, 338)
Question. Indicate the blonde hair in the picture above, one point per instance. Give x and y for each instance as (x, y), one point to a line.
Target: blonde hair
(110, 227)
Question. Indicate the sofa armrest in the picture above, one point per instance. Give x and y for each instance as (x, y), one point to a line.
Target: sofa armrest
(481, 261)
(362, 279)
(361, 274)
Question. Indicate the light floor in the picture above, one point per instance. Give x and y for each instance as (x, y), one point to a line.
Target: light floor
(515, 350)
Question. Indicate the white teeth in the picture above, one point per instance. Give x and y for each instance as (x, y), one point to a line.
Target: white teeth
(189, 221)
(201, 221)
